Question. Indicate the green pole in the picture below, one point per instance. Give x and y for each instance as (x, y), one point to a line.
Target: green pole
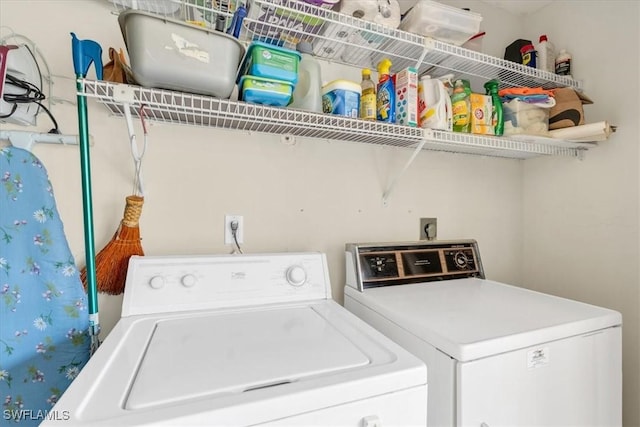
(86, 52)
(87, 209)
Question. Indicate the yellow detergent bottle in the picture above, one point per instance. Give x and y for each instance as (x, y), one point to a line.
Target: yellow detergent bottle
(386, 97)
(368, 97)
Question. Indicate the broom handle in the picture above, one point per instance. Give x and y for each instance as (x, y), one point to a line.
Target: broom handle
(84, 53)
(87, 210)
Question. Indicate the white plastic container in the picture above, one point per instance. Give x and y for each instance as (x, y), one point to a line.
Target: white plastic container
(341, 97)
(434, 105)
(308, 92)
(446, 23)
(170, 54)
(546, 55)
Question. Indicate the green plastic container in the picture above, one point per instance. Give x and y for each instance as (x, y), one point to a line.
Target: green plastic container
(271, 62)
(265, 91)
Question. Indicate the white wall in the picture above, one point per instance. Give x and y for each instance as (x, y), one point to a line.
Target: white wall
(581, 218)
(561, 213)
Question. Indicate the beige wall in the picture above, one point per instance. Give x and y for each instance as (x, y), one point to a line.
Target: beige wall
(581, 218)
(317, 195)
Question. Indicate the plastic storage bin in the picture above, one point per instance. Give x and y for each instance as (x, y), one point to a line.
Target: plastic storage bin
(525, 118)
(171, 54)
(271, 62)
(446, 23)
(260, 90)
(341, 97)
(271, 18)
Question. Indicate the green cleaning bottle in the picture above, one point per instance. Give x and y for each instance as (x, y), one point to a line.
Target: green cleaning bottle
(461, 106)
(497, 118)
(386, 97)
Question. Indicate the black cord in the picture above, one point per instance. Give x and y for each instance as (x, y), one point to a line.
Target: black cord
(55, 123)
(32, 94)
(234, 233)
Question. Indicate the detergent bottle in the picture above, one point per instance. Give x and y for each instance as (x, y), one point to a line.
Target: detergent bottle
(368, 96)
(461, 106)
(434, 104)
(386, 96)
(497, 118)
(307, 94)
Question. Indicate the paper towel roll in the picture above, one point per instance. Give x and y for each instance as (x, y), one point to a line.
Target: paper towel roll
(384, 12)
(361, 46)
(592, 132)
(332, 44)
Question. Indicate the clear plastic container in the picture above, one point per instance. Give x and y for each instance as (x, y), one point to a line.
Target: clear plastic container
(446, 23)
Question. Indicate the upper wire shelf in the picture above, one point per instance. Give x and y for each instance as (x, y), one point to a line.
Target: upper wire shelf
(188, 109)
(342, 39)
(351, 41)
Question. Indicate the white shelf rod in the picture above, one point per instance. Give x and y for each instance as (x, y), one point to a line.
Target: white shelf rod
(26, 139)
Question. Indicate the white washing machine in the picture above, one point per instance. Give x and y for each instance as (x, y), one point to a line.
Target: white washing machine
(242, 340)
(498, 355)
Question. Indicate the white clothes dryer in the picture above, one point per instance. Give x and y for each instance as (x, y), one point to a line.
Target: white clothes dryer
(498, 355)
(239, 340)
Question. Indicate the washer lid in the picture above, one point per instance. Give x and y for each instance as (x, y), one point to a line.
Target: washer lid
(227, 367)
(211, 355)
(473, 318)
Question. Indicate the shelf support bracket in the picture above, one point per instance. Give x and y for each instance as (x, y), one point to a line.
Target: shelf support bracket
(394, 181)
(425, 51)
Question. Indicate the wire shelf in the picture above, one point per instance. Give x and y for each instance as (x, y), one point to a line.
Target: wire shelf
(187, 109)
(351, 41)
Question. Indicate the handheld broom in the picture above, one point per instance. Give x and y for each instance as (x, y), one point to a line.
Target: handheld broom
(113, 260)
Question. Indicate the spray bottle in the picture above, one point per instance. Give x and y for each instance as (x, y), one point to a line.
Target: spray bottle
(386, 96)
(497, 118)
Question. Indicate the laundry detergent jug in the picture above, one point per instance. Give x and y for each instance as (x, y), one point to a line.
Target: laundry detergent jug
(434, 104)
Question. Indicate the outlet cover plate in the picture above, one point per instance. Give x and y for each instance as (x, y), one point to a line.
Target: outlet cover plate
(428, 228)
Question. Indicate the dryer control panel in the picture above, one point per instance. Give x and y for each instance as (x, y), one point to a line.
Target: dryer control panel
(388, 264)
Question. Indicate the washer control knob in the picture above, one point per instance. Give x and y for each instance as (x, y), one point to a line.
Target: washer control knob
(156, 282)
(188, 280)
(296, 275)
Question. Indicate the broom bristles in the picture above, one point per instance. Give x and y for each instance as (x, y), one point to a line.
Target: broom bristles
(113, 260)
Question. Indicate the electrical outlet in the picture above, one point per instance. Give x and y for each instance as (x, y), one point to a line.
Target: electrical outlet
(428, 228)
(228, 234)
